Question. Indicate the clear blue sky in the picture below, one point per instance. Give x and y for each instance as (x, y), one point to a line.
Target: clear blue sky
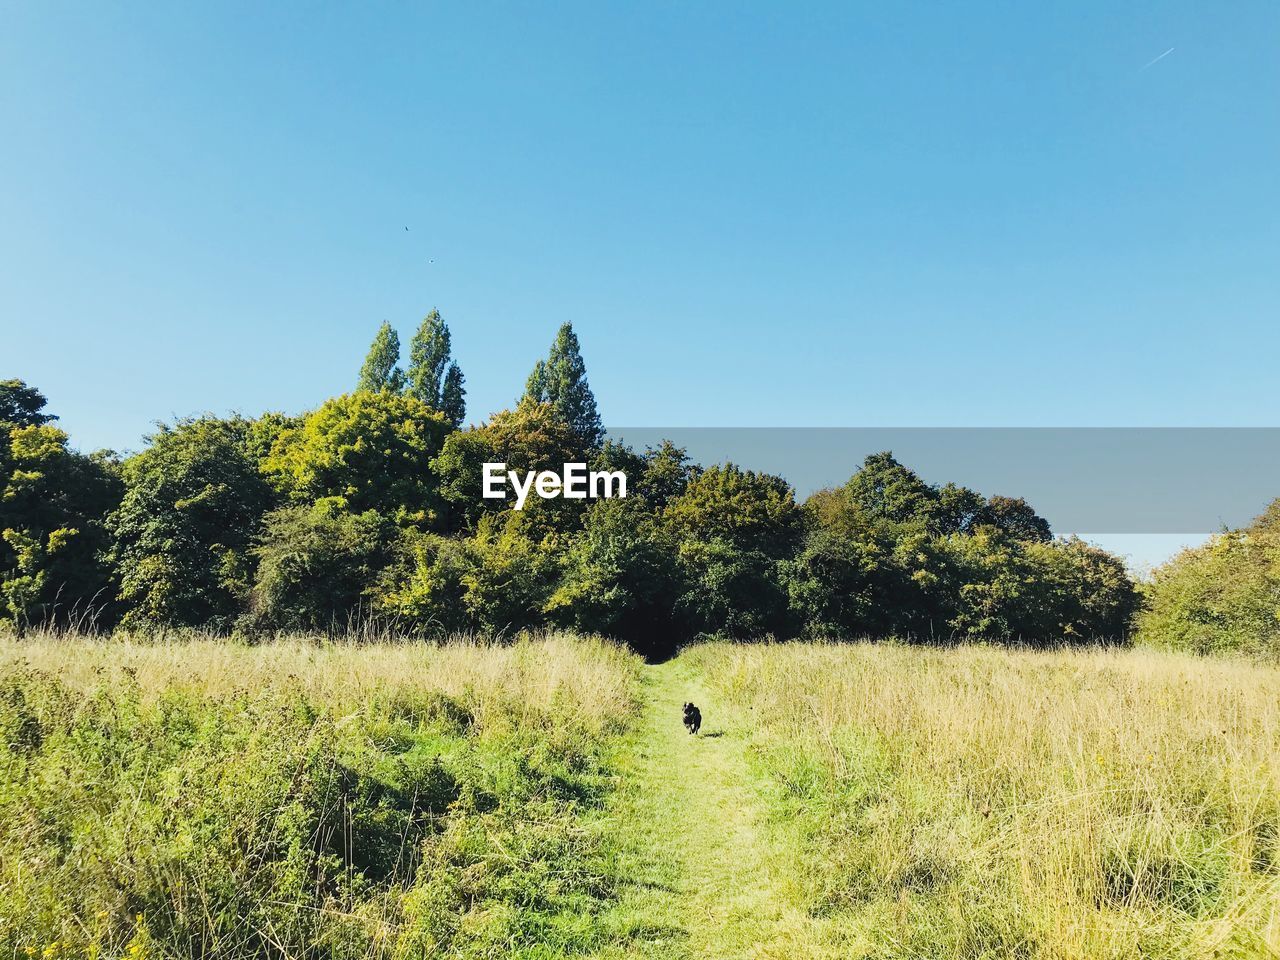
(876, 214)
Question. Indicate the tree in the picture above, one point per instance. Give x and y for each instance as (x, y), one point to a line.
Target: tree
(561, 380)
(318, 566)
(433, 378)
(748, 510)
(958, 509)
(1089, 595)
(373, 451)
(192, 504)
(1016, 518)
(380, 370)
(1222, 597)
(530, 437)
(857, 576)
(53, 502)
(453, 397)
(666, 474)
(732, 593)
(884, 489)
(621, 578)
(21, 405)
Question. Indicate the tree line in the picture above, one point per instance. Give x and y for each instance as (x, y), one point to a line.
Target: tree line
(367, 510)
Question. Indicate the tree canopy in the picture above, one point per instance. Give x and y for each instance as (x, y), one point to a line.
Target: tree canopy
(367, 510)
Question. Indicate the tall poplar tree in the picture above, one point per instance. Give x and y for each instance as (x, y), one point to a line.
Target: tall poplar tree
(433, 376)
(561, 380)
(453, 402)
(380, 370)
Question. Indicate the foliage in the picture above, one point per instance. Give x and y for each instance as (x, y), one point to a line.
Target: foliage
(318, 566)
(433, 377)
(191, 508)
(1223, 597)
(742, 508)
(732, 593)
(53, 538)
(561, 380)
(664, 474)
(367, 511)
(371, 451)
(530, 437)
(21, 405)
(883, 489)
(621, 579)
(426, 589)
(381, 370)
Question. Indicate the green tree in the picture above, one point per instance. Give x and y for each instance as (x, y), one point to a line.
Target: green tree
(530, 437)
(884, 489)
(561, 380)
(318, 567)
(1016, 518)
(428, 587)
(453, 396)
(380, 370)
(433, 377)
(192, 504)
(749, 510)
(1222, 597)
(53, 502)
(372, 451)
(857, 576)
(621, 578)
(21, 405)
(1087, 593)
(515, 572)
(665, 474)
(731, 593)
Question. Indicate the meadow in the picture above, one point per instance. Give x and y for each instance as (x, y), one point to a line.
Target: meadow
(207, 799)
(981, 802)
(540, 799)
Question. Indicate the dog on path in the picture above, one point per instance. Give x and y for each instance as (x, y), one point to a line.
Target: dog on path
(692, 718)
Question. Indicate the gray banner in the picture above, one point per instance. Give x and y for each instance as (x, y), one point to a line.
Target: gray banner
(1100, 480)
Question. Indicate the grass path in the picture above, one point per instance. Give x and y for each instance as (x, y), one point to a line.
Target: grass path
(708, 877)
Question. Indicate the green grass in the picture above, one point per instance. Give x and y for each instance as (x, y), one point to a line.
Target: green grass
(295, 801)
(542, 800)
(981, 803)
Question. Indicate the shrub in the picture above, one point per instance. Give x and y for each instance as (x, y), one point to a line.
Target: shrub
(1223, 597)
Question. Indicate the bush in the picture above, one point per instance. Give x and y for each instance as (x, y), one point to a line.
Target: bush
(318, 567)
(1223, 597)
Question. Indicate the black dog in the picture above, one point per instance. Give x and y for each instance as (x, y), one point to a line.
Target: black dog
(692, 718)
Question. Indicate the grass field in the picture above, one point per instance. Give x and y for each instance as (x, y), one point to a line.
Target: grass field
(212, 800)
(987, 803)
(542, 800)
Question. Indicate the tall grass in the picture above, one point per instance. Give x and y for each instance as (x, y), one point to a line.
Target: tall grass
(301, 799)
(987, 803)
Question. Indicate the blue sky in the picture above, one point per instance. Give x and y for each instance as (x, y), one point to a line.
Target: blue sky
(875, 214)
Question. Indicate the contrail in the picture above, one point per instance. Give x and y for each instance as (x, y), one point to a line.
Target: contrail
(1159, 58)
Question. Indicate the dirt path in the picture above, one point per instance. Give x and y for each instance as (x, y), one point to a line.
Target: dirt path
(709, 879)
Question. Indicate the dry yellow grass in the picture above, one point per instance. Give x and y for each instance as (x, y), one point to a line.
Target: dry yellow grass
(528, 677)
(982, 802)
(300, 799)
